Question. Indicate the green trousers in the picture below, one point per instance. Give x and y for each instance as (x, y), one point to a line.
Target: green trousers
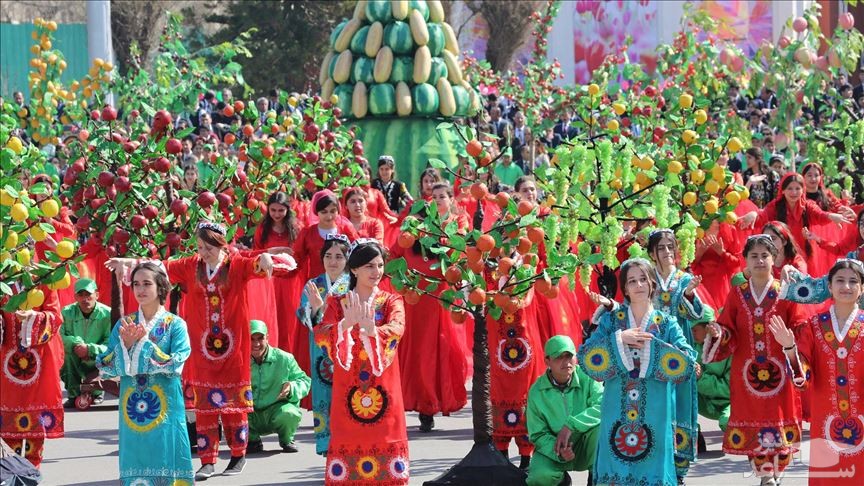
(544, 471)
(280, 418)
(715, 409)
(73, 372)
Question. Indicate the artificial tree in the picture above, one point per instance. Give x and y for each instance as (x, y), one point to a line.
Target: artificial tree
(24, 224)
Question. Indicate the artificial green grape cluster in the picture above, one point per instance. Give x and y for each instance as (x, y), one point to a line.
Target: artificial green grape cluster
(609, 241)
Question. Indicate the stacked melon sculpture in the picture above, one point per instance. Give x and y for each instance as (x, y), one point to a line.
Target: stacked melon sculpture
(397, 58)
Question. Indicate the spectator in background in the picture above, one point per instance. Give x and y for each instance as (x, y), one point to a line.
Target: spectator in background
(85, 331)
(738, 102)
(499, 125)
(274, 102)
(549, 138)
(858, 91)
(759, 179)
(564, 129)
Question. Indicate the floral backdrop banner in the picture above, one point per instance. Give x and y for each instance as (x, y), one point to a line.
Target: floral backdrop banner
(745, 22)
(600, 27)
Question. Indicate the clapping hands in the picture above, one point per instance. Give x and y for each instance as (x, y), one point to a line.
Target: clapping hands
(130, 332)
(357, 312)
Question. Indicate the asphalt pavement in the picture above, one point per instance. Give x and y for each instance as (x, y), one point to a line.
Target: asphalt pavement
(88, 455)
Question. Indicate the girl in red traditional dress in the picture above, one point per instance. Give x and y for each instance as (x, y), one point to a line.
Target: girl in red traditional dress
(788, 251)
(814, 186)
(430, 334)
(356, 208)
(63, 229)
(765, 423)
(307, 253)
(31, 403)
(717, 259)
(361, 332)
(428, 178)
(791, 207)
(831, 345)
(277, 234)
(557, 315)
(217, 382)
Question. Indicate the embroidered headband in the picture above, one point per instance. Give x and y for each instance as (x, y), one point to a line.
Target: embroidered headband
(337, 236)
(631, 261)
(760, 236)
(358, 242)
(212, 227)
(661, 231)
(857, 265)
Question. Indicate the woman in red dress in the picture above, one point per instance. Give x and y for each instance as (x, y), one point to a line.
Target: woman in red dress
(765, 424)
(827, 358)
(717, 260)
(556, 315)
(428, 178)
(277, 234)
(361, 332)
(32, 354)
(357, 211)
(793, 208)
(430, 334)
(814, 186)
(307, 253)
(217, 383)
(788, 251)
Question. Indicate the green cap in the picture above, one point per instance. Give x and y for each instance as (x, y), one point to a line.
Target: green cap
(508, 152)
(85, 284)
(558, 345)
(258, 327)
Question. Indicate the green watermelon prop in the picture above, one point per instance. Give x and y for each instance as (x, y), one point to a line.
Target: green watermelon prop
(391, 42)
(395, 70)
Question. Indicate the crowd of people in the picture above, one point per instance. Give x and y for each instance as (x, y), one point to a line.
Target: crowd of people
(297, 313)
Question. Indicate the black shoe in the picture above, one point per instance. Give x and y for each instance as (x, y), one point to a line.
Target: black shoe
(524, 462)
(205, 472)
(427, 423)
(566, 480)
(69, 403)
(681, 480)
(505, 453)
(254, 447)
(235, 466)
(590, 478)
(290, 447)
(98, 399)
(701, 446)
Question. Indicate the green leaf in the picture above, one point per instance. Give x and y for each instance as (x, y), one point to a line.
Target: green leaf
(397, 266)
(73, 269)
(495, 312)
(457, 243)
(437, 163)
(444, 126)
(5, 288)
(594, 259)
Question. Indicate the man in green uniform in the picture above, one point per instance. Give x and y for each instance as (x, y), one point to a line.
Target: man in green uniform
(85, 331)
(563, 416)
(278, 384)
(507, 172)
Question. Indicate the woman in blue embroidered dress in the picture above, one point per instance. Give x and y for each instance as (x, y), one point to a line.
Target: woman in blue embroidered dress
(147, 351)
(333, 282)
(640, 354)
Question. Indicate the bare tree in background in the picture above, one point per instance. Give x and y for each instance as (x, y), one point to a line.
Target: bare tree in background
(509, 27)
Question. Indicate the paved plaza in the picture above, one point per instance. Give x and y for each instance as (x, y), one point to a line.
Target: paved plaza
(88, 455)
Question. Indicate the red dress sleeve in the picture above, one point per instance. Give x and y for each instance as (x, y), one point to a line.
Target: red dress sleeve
(181, 271)
(47, 321)
(815, 213)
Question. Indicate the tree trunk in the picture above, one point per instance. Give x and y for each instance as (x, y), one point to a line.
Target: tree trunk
(481, 406)
(116, 299)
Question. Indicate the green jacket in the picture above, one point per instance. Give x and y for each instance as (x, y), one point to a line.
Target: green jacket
(713, 385)
(92, 332)
(550, 409)
(276, 369)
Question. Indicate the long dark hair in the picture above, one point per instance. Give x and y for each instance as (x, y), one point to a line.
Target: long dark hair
(361, 255)
(625, 272)
(820, 197)
(790, 247)
(782, 207)
(281, 198)
(342, 244)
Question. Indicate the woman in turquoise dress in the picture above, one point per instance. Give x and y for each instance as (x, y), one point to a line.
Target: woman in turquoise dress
(642, 355)
(333, 282)
(147, 351)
